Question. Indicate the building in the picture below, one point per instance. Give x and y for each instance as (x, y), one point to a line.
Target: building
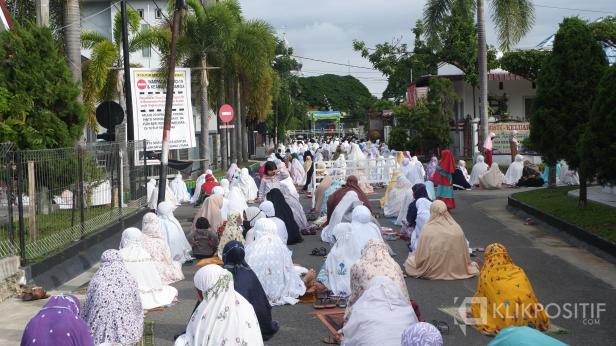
(5, 18)
(97, 15)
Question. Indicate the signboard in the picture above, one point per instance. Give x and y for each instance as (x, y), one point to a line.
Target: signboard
(227, 126)
(226, 113)
(500, 143)
(148, 91)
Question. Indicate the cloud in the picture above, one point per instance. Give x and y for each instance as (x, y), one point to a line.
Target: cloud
(325, 29)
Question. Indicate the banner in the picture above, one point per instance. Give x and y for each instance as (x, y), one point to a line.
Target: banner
(500, 144)
(149, 95)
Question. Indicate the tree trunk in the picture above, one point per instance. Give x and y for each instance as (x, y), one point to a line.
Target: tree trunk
(583, 200)
(552, 176)
(42, 13)
(483, 72)
(72, 39)
(205, 117)
(223, 132)
(238, 126)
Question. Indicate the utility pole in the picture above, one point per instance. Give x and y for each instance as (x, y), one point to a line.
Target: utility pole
(164, 157)
(126, 60)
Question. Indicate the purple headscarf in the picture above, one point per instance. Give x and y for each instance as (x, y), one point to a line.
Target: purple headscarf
(421, 334)
(58, 323)
(113, 307)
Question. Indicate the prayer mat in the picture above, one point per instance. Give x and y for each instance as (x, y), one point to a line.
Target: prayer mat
(148, 334)
(454, 312)
(333, 319)
(308, 298)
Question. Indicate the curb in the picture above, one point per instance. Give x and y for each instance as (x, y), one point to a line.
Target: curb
(575, 231)
(80, 256)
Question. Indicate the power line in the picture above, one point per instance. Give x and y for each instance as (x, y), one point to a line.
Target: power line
(340, 71)
(90, 16)
(334, 63)
(572, 9)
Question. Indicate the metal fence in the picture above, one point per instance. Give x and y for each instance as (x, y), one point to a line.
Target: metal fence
(52, 198)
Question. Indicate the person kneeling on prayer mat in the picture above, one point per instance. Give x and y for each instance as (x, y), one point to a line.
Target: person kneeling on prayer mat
(247, 284)
(510, 297)
(223, 315)
(442, 253)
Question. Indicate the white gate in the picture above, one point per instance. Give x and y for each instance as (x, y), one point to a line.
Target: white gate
(369, 171)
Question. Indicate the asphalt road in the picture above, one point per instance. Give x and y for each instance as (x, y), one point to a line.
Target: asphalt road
(560, 273)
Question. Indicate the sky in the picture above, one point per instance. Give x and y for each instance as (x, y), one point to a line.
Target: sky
(325, 29)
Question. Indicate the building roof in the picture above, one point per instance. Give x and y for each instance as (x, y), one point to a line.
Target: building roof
(5, 17)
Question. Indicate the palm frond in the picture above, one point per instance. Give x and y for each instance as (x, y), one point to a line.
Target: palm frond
(90, 38)
(513, 20)
(133, 21)
(434, 13)
(95, 76)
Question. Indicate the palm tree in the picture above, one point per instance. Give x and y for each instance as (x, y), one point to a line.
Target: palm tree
(207, 35)
(252, 56)
(72, 30)
(512, 19)
(101, 73)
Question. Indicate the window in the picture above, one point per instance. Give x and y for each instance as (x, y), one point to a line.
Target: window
(140, 11)
(158, 13)
(146, 51)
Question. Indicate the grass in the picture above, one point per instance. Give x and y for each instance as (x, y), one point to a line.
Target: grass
(595, 218)
(55, 221)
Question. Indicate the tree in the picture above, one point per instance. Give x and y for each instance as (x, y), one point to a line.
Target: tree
(72, 43)
(599, 142)
(566, 89)
(343, 93)
(399, 64)
(513, 20)
(429, 121)
(101, 72)
(205, 39)
(39, 101)
(524, 63)
(252, 56)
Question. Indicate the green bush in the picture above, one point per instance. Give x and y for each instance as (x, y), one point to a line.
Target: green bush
(39, 102)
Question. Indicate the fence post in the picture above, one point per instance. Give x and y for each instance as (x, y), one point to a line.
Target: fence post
(9, 195)
(20, 208)
(80, 189)
(31, 201)
(120, 178)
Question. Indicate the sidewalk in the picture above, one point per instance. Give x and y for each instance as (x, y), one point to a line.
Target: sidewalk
(17, 313)
(596, 194)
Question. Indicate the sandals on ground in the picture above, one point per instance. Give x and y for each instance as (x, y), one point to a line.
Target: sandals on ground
(324, 303)
(319, 252)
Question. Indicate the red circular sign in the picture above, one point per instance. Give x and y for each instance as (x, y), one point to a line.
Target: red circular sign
(226, 113)
(142, 84)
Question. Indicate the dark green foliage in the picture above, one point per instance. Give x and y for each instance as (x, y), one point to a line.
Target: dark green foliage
(399, 64)
(429, 121)
(599, 144)
(566, 88)
(525, 63)
(344, 93)
(399, 139)
(39, 102)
